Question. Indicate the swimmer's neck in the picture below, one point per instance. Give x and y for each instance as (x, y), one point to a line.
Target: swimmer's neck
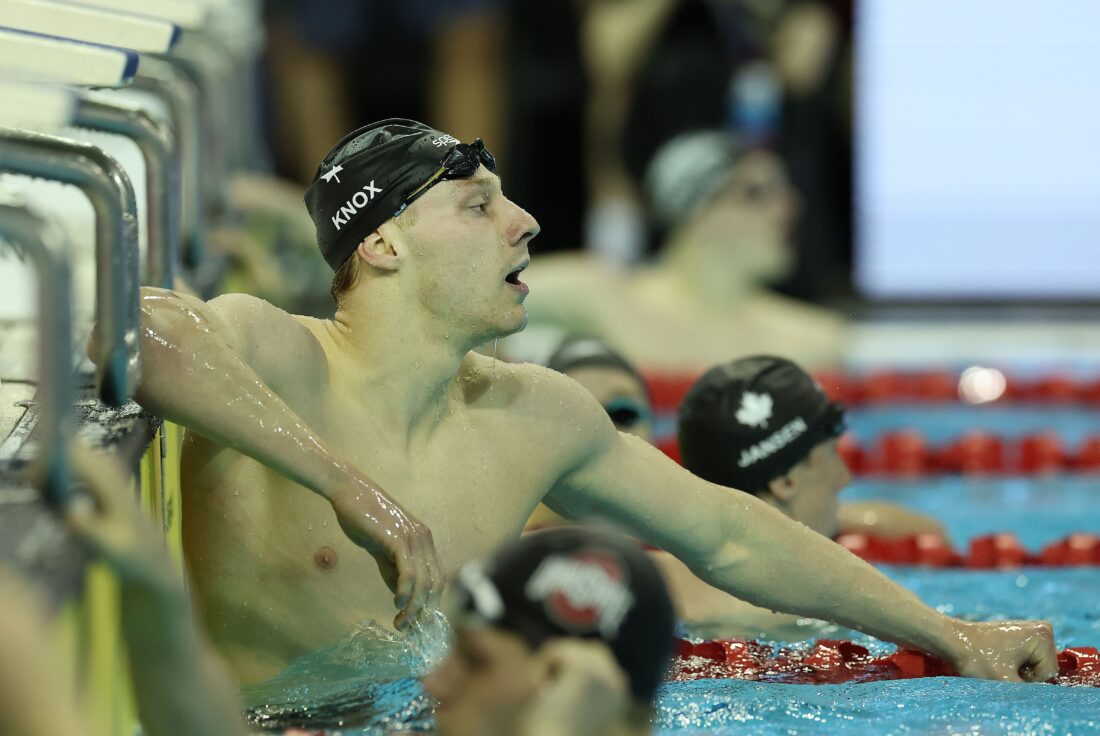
(408, 352)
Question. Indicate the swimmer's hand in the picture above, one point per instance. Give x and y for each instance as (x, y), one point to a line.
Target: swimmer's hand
(583, 691)
(401, 546)
(104, 516)
(1014, 651)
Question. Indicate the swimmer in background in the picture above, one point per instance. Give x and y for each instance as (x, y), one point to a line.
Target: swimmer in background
(727, 212)
(566, 632)
(804, 486)
(296, 426)
(761, 424)
(612, 381)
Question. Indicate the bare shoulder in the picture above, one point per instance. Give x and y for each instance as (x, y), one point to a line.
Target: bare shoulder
(543, 401)
(279, 345)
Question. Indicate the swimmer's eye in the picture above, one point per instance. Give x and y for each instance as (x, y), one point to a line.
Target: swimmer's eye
(483, 207)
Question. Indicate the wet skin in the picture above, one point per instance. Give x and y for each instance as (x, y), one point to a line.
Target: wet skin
(382, 422)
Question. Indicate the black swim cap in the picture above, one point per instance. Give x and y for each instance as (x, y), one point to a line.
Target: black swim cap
(745, 423)
(578, 350)
(573, 582)
(365, 179)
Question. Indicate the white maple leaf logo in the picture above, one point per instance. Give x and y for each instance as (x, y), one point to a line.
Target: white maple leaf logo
(756, 409)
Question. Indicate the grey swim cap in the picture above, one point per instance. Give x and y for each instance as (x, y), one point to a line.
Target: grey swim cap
(687, 172)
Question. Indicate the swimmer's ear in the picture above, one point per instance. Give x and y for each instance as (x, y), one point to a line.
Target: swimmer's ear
(782, 488)
(380, 250)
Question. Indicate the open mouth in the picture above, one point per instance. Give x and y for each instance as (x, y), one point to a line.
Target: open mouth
(512, 279)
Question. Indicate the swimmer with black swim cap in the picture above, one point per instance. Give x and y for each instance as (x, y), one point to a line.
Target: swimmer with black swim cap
(341, 470)
(565, 631)
(763, 425)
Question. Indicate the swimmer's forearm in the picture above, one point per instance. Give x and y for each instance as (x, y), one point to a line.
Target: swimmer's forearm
(180, 686)
(781, 565)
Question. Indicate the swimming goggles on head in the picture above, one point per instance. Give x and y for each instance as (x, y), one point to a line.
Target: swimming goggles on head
(460, 163)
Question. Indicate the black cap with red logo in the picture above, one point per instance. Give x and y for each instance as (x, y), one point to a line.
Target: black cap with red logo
(574, 582)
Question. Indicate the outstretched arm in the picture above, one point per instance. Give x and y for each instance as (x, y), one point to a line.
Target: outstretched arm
(737, 543)
(224, 369)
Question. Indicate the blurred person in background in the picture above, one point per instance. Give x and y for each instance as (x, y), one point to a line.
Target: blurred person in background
(614, 382)
(565, 632)
(773, 72)
(762, 425)
(727, 211)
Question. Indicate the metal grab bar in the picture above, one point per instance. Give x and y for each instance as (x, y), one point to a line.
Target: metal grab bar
(30, 236)
(162, 178)
(104, 182)
(181, 95)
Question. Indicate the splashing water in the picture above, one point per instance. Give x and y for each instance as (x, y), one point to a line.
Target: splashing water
(364, 684)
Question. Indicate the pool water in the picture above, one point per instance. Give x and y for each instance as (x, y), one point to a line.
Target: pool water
(945, 422)
(1037, 510)
(939, 705)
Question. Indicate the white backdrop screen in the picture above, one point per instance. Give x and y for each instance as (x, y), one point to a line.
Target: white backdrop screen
(978, 149)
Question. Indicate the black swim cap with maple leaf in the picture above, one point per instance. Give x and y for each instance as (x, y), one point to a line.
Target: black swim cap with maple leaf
(745, 423)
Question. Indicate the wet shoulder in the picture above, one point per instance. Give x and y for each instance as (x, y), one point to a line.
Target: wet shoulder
(278, 345)
(534, 398)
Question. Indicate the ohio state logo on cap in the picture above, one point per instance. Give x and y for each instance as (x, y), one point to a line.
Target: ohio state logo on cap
(583, 592)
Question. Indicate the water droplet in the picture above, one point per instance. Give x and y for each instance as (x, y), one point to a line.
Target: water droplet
(324, 523)
(309, 528)
(236, 493)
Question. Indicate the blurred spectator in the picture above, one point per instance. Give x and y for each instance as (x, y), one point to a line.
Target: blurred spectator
(728, 211)
(336, 64)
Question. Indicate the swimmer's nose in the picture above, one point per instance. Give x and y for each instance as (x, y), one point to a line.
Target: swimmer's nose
(524, 227)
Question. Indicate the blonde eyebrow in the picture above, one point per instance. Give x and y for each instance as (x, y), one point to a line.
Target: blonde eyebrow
(481, 181)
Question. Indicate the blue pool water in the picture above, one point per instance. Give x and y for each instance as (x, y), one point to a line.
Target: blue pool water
(1037, 510)
(940, 706)
(944, 422)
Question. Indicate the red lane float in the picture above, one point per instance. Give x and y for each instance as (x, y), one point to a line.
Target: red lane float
(989, 552)
(908, 454)
(891, 387)
(834, 661)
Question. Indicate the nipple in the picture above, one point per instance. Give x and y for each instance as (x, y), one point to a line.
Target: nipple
(325, 558)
